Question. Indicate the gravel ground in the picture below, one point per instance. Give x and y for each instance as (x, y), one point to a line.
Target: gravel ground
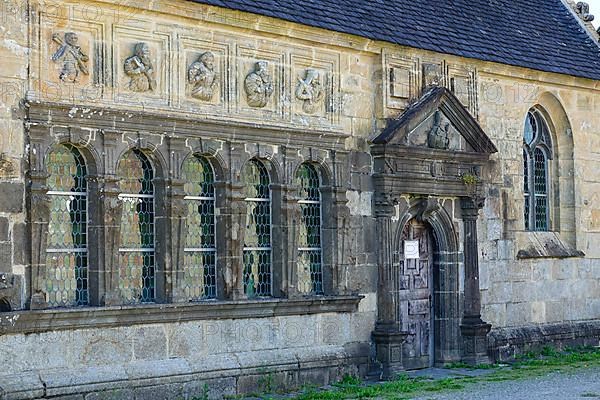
(581, 385)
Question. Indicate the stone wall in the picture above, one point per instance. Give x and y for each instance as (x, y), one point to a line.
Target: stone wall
(362, 83)
(547, 288)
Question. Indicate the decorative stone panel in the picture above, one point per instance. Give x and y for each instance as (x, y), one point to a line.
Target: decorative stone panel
(156, 73)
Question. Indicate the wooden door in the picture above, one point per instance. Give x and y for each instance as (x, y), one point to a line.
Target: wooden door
(416, 296)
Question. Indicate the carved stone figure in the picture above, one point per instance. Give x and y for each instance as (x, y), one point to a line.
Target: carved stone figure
(139, 68)
(583, 9)
(310, 91)
(438, 137)
(259, 85)
(203, 77)
(73, 59)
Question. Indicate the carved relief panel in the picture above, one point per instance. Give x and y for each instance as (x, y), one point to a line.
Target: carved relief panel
(314, 86)
(204, 72)
(401, 80)
(142, 64)
(70, 59)
(260, 80)
(462, 82)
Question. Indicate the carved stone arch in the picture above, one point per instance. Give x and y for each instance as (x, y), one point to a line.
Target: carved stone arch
(215, 159)
(445, 275)
(322, 166)
(155, 156)
(430, 210)
(318, 158)
(93, 160)
(271, 164)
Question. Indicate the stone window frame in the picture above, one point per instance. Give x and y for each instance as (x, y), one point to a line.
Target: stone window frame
(560, 240)
(542, 141)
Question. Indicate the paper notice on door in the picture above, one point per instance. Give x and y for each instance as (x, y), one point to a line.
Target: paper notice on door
(411, 249)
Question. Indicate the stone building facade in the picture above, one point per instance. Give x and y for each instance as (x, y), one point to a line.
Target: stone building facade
(197, 198)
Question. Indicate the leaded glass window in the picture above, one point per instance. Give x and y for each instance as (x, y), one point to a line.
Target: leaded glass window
(199, 274)
(537, 151)
(66, 275)
(310, 272)
(137, 267)
(257, 238)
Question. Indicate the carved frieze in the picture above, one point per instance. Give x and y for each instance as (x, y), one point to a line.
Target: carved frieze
(139, 68)
(258, 85)
(203, 77)
(72, 58)
(311, 91)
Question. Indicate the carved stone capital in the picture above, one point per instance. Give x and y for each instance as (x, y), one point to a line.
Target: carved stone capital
(471, 205)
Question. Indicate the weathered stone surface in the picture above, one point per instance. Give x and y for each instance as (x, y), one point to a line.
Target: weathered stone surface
(11, 197)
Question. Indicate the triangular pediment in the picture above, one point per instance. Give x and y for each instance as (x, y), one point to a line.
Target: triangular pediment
(438, 121)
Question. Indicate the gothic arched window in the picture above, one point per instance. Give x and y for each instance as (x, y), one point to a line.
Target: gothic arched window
(199, 275)
(66, 277)
(257, 239)
(137, 280)
(537, 151)
(310, 266)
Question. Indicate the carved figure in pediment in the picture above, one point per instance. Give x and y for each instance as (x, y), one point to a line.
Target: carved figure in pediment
(139, 68)
(202, 75)
(439, 136)
(310, 91)
(259, 85)
(73, 59)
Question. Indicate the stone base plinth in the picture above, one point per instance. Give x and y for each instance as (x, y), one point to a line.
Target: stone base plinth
(475, 342)
(389, 351)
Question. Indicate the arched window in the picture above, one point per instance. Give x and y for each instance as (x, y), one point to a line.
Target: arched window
(537, 151)
(199, 275)
(310, 272)
(66, 277)
(257, 239)
(137, 281)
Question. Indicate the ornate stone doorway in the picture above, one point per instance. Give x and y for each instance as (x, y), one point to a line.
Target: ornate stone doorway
(429, 178)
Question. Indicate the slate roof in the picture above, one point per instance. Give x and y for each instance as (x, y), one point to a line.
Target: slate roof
(536, 34)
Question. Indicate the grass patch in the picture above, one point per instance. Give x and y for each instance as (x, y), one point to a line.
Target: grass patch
(404, 387)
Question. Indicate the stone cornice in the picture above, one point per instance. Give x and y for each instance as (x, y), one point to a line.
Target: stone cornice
(172, 124)
(40, 321)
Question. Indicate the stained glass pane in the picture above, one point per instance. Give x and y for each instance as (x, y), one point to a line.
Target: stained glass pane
(257, 272)
(257, 238)
(137, 261)
(541, 191)
(530, 128)
(310, 275)
(199, 274)
(540, 175)
(66, 275)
